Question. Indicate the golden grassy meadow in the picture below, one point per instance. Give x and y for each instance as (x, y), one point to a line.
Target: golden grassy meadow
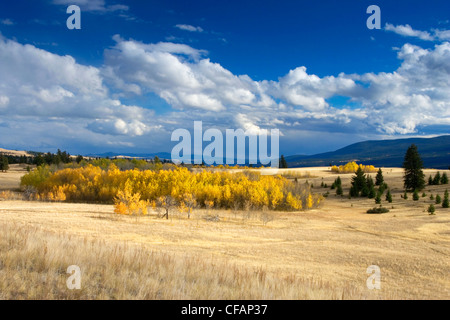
(225, 254)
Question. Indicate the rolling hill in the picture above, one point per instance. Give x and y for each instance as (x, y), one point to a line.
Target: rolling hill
(15, 153)
(435, 153)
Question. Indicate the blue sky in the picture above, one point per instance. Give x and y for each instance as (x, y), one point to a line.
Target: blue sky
(138, 70)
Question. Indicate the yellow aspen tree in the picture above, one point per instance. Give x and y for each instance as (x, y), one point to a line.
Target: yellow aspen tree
(292, 202)
(309, 201)
(276, 197)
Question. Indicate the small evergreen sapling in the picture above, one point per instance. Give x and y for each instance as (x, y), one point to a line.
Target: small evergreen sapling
(378, 198)
(339, 190)
(437, 179)
(444, 178)
(445, 203)
(415, 195)
(389, 196)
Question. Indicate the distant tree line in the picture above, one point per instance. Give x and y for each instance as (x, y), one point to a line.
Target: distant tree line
(63, 159)
(52, 158)
(38, 158)
(4, 163)
(16, 159)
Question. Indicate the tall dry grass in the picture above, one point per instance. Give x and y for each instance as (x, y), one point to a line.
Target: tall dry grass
(293, 174)
(33, 265)
(8, 195)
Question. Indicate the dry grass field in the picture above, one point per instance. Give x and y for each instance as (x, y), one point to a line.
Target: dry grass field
(317, 254)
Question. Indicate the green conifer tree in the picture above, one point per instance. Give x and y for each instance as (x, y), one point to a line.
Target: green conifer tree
(445, 203)
(389, 196)
(412, 164)
(379, 179)
(444, 178)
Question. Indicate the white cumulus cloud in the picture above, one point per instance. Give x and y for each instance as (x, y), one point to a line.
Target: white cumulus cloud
(41, 85)
(7, 22)
(179, 75)
(187, 27)
(310, 91)
(416, 94)
(408, 31)
(93, 5)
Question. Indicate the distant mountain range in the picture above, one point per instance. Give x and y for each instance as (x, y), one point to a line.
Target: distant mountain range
(435, 153)
(161, 155)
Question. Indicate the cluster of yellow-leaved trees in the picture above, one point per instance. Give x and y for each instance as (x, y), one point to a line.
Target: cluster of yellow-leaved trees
(133, 191)
(351, 167)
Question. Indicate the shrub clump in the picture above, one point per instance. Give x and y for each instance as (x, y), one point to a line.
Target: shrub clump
(378, 210)
(131, 190)
(351, 167)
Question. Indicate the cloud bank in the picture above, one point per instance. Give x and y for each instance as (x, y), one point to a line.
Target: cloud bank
(82, 103)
